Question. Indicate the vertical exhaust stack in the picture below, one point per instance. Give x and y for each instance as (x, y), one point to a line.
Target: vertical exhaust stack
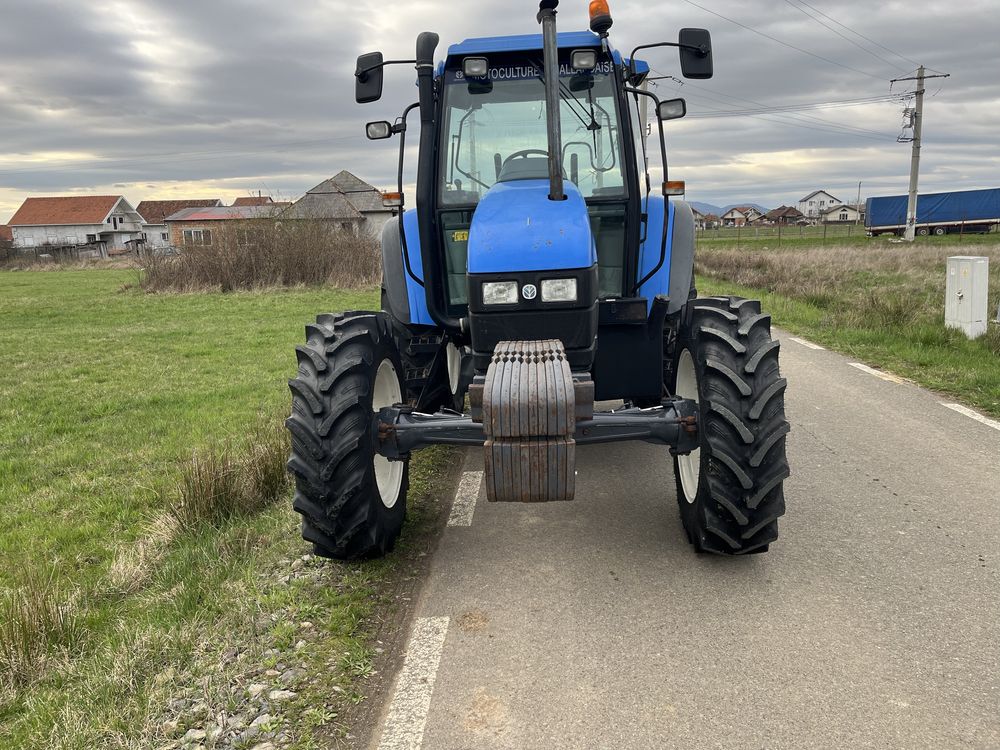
(550, 59)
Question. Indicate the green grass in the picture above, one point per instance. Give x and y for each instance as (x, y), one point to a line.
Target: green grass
(105, 395)
(882, 304)
(756, 238)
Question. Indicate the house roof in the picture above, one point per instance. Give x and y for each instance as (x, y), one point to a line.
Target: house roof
(154, 212)
(223, 213)
(841, 207)
(344, 197)
(253, 200)
(74, 209)
(784, 212)
(817, 192)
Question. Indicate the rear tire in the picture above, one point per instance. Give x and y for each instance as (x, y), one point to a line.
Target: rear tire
(923, 231)
(730, 490)
(352, 500)
(940, 231)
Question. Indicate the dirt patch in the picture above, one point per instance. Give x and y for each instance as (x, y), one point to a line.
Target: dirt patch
(473, 621)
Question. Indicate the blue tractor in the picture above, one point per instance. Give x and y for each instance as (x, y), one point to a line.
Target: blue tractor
(537, 274)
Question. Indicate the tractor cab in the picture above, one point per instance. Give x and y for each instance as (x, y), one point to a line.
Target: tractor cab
(493, 130)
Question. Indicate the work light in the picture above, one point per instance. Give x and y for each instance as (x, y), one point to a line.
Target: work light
(475, 67)
(500, 293)
(559, 290)
(583, 59)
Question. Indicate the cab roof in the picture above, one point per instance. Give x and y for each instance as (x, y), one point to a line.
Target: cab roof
(520, 42)
(525, 42)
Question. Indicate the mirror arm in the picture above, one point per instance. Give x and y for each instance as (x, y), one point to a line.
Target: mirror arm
(362, 75)
(700, 49)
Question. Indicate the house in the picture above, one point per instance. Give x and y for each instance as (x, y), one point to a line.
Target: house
(345, 199)
(739, 216)
(198, 226)
(818, 201)
(102, 224)
(784, 215)
(845, 214)
(154, 212)
(699, 218)
(712, 221)
(6, 237)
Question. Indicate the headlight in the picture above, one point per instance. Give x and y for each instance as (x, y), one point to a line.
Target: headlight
(559, 290)
(500, 293)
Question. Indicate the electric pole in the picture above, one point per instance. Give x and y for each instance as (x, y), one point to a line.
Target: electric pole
(918, 120)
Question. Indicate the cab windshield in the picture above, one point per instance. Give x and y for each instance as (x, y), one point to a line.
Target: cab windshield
(496, 125)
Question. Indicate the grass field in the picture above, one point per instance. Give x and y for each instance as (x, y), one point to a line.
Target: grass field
(821, 235)
(135, 628)
(880, 302)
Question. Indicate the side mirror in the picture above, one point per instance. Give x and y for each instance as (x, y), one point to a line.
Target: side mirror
(368, 78)
(376, 131)
(696, 53)
(671, 109)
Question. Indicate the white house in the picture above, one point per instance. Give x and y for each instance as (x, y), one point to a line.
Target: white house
(739, 216)
(105, 224)
(816, 203)
(845, 214)
(154, 213)
(345, 199)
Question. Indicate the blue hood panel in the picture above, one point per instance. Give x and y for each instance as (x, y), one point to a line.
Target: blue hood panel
(517, 228)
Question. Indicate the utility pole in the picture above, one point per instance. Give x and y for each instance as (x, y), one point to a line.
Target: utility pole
(918, 120)
(857, 206)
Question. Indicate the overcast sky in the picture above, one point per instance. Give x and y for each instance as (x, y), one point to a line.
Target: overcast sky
(177, 98)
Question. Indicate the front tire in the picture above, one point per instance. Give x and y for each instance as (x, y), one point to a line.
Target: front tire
(730, 490)
(352, 500)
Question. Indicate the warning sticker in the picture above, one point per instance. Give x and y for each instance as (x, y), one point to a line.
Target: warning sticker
(460, 236)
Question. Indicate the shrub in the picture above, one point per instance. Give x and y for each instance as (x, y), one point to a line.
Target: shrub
(262, 253)
(38, 622)
(223, 482)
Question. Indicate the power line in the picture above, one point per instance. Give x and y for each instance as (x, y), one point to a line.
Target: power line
(858, 33)
(842, 36)
(786, 44)
(863, 132)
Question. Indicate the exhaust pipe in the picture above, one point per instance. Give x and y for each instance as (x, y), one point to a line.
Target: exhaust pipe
(550, 59)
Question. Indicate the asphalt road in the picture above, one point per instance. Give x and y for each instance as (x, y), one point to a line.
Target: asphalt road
(874, 621)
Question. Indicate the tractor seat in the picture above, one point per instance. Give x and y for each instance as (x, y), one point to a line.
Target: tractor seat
(527, 168)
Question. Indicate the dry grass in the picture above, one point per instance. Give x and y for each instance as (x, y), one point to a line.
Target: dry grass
(264, 254)
(226, 481)
(873, 286)
(38, 623)
(133, 566)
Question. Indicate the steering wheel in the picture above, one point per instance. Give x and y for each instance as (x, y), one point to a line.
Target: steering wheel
(526, 152)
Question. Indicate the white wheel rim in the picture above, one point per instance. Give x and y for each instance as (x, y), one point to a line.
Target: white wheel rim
(454, 359)
(689, 466)
(388, 474)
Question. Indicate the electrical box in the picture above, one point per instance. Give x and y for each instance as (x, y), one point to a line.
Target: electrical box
(966, 292)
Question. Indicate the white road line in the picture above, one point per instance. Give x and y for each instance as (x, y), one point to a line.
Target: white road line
(974, 415)
(465, 499)
(807, 344)
(879, 373)
(404, 726)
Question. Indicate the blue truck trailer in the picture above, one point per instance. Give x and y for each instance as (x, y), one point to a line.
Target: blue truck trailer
(966, 211)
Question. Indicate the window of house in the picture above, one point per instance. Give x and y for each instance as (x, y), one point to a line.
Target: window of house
(197, 237)
(843, 215)
(812, 203)
(163, 236)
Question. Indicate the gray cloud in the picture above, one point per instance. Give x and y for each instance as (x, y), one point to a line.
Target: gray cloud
(160, 97)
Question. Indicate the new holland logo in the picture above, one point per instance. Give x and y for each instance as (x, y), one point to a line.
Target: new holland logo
(529, 291)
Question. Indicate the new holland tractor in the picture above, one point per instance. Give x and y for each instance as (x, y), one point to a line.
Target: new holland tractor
(538, 273)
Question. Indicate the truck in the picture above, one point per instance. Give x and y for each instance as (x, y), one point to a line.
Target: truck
(539, 295)
(960, 212)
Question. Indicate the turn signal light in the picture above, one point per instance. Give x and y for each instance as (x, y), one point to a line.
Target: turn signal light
(392, 200)
(600, 16)
(673, 187)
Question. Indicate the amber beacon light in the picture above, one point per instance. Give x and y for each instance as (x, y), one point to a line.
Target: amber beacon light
(600, 17)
